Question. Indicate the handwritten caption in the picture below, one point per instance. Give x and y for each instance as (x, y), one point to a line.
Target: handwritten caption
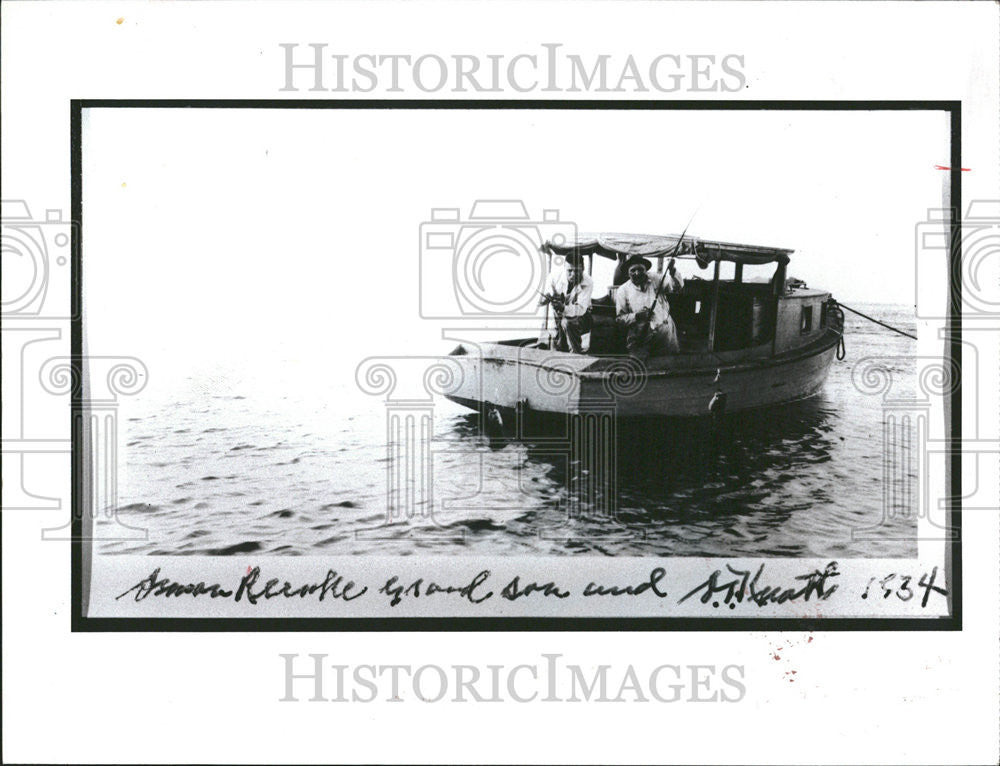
(728, 587)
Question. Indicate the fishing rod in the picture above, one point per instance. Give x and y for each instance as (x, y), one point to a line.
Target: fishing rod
(555, 299)
(673, 254)
(558, 303)
(658, 293)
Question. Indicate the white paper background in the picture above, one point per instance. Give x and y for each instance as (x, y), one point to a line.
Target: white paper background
(858, 697)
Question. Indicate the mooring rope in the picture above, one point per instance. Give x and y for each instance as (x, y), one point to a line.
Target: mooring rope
(841, 345)
(872, 319)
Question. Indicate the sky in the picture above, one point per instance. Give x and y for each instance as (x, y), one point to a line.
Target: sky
(214, 235)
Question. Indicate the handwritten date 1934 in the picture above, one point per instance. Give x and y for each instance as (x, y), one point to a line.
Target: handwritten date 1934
(899, 584)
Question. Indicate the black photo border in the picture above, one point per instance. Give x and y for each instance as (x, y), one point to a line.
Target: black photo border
(81, 623)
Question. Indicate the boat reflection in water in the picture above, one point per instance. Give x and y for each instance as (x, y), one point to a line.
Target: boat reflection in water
(783, 481)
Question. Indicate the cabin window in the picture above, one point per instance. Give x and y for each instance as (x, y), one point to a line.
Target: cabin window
(807, 319)
(697, 307)
(822, 315)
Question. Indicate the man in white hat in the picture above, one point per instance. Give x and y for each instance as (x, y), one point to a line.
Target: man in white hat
(643, 309)
(569, 291)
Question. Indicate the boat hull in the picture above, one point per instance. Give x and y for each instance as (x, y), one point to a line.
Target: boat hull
(508, 377)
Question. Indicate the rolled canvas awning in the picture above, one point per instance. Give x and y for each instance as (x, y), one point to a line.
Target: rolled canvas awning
(622, 246)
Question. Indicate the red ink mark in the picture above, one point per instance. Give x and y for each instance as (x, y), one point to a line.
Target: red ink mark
(249, 570)
(943, 167)
(810, 640)
(777, 656)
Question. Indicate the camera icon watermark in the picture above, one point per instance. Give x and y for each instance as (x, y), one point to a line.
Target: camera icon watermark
(46, 383)
(36, 309)
(37, 259)
(490, 264)
(960, 268)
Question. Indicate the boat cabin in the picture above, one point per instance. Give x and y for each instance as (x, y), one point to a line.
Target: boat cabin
(735, 297)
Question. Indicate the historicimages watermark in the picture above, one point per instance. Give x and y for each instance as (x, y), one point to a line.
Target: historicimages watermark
(315, 678)
(546, 69)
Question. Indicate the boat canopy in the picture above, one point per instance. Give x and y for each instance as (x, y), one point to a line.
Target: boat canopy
(622, 246)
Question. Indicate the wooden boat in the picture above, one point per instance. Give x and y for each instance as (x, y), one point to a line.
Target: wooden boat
(744, 344)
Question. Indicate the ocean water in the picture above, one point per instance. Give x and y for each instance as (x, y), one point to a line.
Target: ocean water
(268, 458)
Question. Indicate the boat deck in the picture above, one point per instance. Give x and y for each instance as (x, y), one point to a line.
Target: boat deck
(527, 351)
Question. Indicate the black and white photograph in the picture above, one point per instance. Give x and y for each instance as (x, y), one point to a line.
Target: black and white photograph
(500, 382)
(605, 341)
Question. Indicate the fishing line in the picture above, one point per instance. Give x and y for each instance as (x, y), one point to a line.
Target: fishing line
(872, 319)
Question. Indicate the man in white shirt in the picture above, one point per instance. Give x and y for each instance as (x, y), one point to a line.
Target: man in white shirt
(569, 292)
(649, 328)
